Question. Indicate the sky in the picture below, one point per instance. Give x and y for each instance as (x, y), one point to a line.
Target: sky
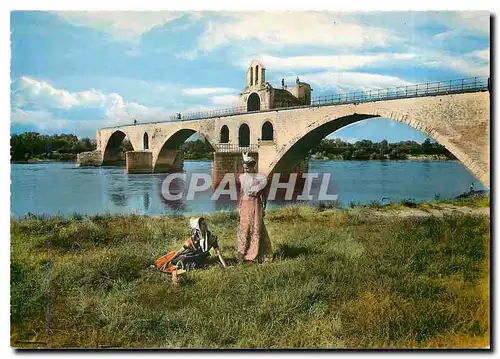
(74, 72)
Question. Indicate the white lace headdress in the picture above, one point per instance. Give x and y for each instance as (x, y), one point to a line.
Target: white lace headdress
(247, 158)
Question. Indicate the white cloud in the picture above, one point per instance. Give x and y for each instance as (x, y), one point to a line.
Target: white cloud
(225, 100)
(475, 63)
(42, 96)
(121, 25)
(198, 108)
(207, 91)
(280, 29)
(349, 81)
(334, 62)
(119, 111)
(469, 65)
(474, 21)
(31, 90)
(41, 119)
(463, 23)
(46, 122)
(481, 54)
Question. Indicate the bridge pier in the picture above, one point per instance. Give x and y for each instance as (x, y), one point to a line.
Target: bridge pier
(113, 157)
(228, 162)
(169, 161)
(232, 162)
(139, 162)
(90, 158)
(285, 169)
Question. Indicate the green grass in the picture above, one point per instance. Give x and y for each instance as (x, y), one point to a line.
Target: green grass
(476, 201)
(480, 200)
(339, 280)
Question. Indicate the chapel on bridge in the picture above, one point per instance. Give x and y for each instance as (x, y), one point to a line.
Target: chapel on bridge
(261, 95)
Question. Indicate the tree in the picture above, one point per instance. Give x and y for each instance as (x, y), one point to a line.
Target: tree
(360, 154)
(383, 148)
(426, 146)
(196, 150)
(27, 145)
(347, 155)
(396, 154)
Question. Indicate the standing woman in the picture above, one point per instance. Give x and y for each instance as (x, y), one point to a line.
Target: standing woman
(253, 240)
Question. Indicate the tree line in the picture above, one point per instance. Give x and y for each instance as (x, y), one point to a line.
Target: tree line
(196, 150)
(368, 150)
(64, 147)
(33, 146)
(338, 149)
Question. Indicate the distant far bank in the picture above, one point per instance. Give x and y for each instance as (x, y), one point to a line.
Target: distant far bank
(336, 158)
(407, 158)
(33, 161)
(31, 147)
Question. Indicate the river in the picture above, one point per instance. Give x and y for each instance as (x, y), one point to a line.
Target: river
(64, 189)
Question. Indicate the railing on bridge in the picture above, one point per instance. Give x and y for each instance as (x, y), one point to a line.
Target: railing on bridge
(473, 84)
(200, 115)
(231, 147)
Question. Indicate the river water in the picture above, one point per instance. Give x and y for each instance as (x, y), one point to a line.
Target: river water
(64, 189)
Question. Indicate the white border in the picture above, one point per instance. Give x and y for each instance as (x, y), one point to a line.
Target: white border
(252, 5)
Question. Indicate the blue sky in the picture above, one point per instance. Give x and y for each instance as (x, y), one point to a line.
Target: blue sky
(74, 72)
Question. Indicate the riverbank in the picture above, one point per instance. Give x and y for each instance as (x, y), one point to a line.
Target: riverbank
(37, 161)
(340, 279)
(407, 158)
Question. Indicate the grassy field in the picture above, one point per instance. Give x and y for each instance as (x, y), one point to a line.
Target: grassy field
(340, 279)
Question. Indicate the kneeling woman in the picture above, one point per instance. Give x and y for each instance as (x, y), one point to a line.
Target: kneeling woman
(195, 253)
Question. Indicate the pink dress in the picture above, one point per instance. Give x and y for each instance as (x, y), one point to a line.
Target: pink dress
(253, 240)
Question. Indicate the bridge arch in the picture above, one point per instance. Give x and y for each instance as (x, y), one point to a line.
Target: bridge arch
(267, 132)
(167, 156)
(112, 151)
(253, 102)
(244, 135)
(224, 134)
(297, 149)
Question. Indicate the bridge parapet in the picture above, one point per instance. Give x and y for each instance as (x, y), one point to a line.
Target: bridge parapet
(473, 84)
(234, 148)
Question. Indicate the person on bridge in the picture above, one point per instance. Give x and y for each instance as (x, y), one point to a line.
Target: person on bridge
(283, 83)
(253, 240)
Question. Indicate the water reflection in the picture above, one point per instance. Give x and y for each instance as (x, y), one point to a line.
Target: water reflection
(175, 188)
(146, 201)
(426, 170)
(224, 203)
(384, 175)
(118, 198)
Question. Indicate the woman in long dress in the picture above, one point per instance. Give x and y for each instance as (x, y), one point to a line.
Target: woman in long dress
(253, 240)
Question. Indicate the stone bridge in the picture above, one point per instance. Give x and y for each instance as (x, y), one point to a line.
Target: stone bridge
(282, 137)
